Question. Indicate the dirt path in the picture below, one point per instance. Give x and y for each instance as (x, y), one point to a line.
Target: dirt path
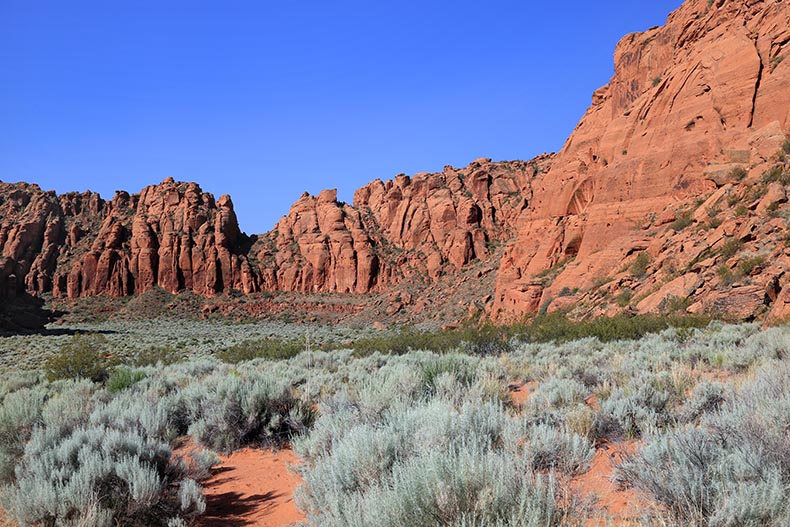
(252, 488)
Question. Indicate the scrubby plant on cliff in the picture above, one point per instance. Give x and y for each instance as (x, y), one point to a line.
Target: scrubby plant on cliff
(682, 221)
(638, 267)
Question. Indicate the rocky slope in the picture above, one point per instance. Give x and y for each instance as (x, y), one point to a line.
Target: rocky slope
(669, 194)
(690, 103)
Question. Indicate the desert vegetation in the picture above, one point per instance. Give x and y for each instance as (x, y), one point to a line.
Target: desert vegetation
(410, 427)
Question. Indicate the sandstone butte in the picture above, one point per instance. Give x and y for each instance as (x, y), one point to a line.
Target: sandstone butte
(670, 192)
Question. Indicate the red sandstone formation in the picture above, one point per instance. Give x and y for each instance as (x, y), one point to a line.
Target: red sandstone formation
(669, 194)
(171, 235)
(412, 228)
(688, 103)
(176, 237)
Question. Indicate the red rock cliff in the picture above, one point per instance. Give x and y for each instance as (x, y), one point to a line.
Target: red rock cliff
(175, 236)
(414, 228)
(688, 102)
(171, 235)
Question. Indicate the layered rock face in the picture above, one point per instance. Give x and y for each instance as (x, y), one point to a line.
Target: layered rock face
(175, 236)
(413, 228)
(688, 103)
(671, 193)
(171, 235)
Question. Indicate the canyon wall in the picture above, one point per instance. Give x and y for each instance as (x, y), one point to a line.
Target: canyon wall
(670, 192)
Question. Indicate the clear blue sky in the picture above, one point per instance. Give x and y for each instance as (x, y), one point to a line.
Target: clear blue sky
(264, 100)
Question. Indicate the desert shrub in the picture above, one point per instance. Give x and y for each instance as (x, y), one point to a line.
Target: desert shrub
(638, 410)
(638, 267)
(624, 297)
(747, 265)
(101, 477)
(726, 275)
(232, 411)
(556, 327)
(154, 355)
(432, 462)
(482, 339)
(682, 221)
(738, 173)
(566, 291)
(200, 462)
(583, 421)
(84, 357)
(550, 448)
(16, 380)
(777, 174)
(733, 469)
(122, 378)
(20, 412)
(730, 247)
(557, 393)
(706, 397)
(265, 348)
(458, 368)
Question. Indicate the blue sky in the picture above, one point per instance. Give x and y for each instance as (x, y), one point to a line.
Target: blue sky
(264, 100)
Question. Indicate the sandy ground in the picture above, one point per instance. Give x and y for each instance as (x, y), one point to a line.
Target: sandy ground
(252, 488)
(612, 505)
(519, 393)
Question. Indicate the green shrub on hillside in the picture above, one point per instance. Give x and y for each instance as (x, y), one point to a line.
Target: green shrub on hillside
(638, 267)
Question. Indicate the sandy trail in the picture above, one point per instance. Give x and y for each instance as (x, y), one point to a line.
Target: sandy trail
(252, 488)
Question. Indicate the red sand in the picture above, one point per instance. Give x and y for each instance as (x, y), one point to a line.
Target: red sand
(620, 506)
(520, 393)
(252, 488)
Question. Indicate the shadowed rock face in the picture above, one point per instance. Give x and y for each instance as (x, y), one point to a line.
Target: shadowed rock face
(696, 112)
